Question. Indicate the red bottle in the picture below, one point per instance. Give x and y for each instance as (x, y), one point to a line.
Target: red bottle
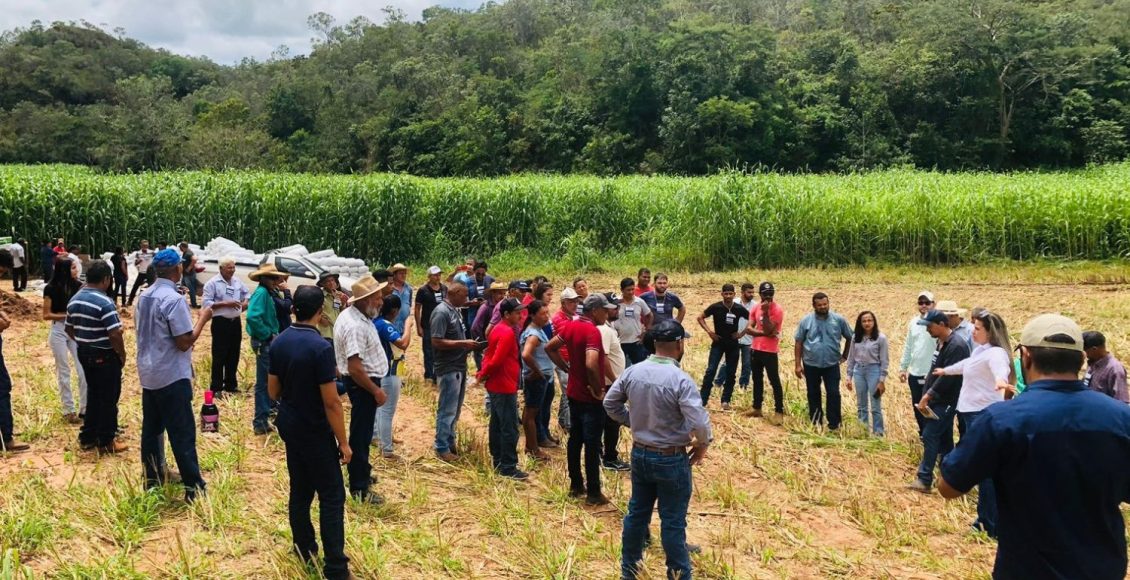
(209, 415)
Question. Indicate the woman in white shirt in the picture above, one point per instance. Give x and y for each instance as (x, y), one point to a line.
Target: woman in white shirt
(986, 377)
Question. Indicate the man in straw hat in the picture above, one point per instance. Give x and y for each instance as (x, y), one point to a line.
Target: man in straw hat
(962, 328)
(263, 327)
(1058, 458)
(361, 360)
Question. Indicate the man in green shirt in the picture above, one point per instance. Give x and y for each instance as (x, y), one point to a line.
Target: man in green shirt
(263, 327)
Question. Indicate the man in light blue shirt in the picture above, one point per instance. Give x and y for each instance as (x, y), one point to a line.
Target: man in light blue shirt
(918, 355)
(818, 356)
(165, 336)
(401, 287)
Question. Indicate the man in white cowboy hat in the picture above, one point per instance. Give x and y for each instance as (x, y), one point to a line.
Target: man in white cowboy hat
(362, 362)
(262, 328)
(398, 281)
(962, 328)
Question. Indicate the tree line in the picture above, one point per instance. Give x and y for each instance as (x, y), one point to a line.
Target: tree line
(597, 86)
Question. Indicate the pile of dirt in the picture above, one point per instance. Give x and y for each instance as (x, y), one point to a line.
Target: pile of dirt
(16, 306)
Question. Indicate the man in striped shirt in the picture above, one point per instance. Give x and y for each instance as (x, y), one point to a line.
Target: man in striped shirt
(93, 323)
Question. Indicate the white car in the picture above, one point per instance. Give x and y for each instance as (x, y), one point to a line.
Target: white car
(303, 272)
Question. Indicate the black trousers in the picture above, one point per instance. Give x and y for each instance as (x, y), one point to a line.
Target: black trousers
(765, 363)
(103, 371)
(917, 385)
(361, 419)
(142, 278)
(503, 432)
(730, 352)
(5, 397)
(313, 464)
(19, 278)
(227, 338)
(120, 283)
(611, 439)
(586, 428)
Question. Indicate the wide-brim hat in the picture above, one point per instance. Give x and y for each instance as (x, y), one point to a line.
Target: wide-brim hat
(366, 287)
(950, 307)
(326, 276)
(268, 270)
(396, 268)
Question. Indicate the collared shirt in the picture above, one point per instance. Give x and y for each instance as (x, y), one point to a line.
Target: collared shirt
(821, 338)
(777, 317)
(581, 336)
(660, 403)
(918, 350)
(1108, 377)
(662, 307)
(219, 290)
(1058, 457)
(560, 321)
(355, 335)
(92, 315)
(331, 309)
(964, 331)
(405, 295)
(303, 361)
(613, 351)
(869, 352)
(945, 389)
(161, 315)
(980, 373)
(262, 321)
(142, 259)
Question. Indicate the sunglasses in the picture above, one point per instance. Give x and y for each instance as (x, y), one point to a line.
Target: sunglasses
(924, 303)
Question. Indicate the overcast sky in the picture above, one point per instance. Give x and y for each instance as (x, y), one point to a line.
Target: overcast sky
(223, 30)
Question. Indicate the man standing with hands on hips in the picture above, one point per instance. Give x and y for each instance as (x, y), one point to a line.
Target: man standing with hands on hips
(661, 404)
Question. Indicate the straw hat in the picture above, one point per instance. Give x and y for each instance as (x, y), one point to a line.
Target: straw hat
(366, 287)
(268, 270)
(950, 307)
(396, 268)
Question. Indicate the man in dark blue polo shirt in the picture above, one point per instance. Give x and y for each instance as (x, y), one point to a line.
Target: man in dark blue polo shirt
(1060, 459)
(311, 423)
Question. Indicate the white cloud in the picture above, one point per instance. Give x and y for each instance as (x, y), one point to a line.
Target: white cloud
(222, 30)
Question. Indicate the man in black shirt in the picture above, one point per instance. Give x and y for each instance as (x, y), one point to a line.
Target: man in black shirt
(428, 297)
(311, 424)
(939, 401)
(724, 342)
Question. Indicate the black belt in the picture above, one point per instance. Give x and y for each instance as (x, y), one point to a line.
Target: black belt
(661, 450)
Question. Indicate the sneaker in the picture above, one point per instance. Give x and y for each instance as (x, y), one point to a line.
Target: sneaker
(517, 475)
(447, 456)
(615, 465)
(113, 448)
(725, 406)
(13, 446)
(920, 486)
(547, 444)
(368, 497)
(595, 500)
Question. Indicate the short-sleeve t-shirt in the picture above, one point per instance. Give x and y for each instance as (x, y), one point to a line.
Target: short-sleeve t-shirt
(60, 295)
(630, 323)
(303, 361)
(389, 334)
(726, 320)
(581, 336)
(91, 315)
(447, 323)
(662, 308)
(777, 317)
(428, 298)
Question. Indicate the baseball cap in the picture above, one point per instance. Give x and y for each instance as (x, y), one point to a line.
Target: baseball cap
(510, 305)
(766, 288)
(1040, 330)
(613, 299)
(569, 294)
(166, 258)
(597, 300)
(667, 331)
(435, 270)
(520, 285)
(935, 316)
(927, 295)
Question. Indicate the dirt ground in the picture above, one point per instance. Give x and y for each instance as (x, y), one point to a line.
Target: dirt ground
(770, 501)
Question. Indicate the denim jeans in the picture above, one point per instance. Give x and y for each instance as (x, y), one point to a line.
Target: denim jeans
(766, 364)
(830, 376)
(262, 351)
(665, 479)
(634, 353)
(587, 429)
(168, 410)
(545, 411)
(563, 412)
(718, 350)
(385, 413)
(744, 353)
(6, 425)
(103, 370)
(986, 489)
(362, 416)
(937, 441)
(314, 468)
(503, 432)
(429, 353)
(917, 386)
(191, 282)
(452, 390)
(868, 402)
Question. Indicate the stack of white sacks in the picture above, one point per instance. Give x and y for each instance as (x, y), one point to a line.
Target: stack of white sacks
(327, 259)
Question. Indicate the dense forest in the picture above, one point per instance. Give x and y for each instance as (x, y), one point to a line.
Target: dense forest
(597, 86)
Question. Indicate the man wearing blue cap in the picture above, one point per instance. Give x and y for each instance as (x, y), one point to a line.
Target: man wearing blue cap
(165, 336)
(662, 406)
(939, 402)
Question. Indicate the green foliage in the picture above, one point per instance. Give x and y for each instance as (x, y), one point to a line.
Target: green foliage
(728, 220)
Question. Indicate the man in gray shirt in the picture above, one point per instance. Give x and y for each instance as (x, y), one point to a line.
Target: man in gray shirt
(449, 339)
(662, 406)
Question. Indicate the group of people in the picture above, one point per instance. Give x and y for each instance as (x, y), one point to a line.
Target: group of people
(615, 358)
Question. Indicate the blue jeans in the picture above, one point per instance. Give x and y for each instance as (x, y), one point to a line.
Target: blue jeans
(564, 414)
(868, 401)
(262, 351)
(452, 390)
(385, 413)
(986, 490)
(744, 353)
(830, 376)
(665, 479)
(168, 410)
(937, 441)
(545, 411)
(429, 354)
(718, 350)
(634, 353)
(190, 282)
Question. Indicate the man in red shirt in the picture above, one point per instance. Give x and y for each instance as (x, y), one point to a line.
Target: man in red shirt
(766, 320)
(561, 319)
(499, 375)
(643, 283)
(585, 390)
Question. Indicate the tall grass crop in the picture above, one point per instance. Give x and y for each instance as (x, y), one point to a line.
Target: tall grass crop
(727, 220)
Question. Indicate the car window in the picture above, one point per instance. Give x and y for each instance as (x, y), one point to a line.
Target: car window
(293, 267)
